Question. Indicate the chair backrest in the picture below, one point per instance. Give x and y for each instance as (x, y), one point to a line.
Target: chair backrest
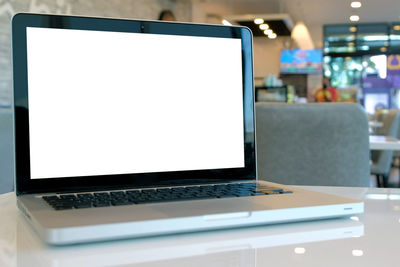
(382, 159)
(313, 144)
(6, 151)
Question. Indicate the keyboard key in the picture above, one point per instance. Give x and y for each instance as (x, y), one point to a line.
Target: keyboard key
(101, 195)
(163, 190)
(208, 187)
(81, 205)
(151, 191)
(117, 194)
(85, 195)
(51, 197)
(101, 199)
(64, 201)
(133, 192)
(101, 204)
(67, 197)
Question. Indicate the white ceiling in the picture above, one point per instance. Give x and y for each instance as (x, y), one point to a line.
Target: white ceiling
(315, 13)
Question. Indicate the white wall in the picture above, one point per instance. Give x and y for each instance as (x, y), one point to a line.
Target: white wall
(267, 55)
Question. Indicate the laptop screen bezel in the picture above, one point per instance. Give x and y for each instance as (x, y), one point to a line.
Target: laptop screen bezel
(26, 185)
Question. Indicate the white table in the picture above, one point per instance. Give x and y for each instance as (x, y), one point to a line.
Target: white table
(375, 124)
(370, 239)
(378, 142)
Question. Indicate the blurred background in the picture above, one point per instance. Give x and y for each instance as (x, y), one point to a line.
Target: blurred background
(356, 44)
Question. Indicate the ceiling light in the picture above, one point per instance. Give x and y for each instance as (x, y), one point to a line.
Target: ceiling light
(353, 29)
(227, 23)
(354, 18)
(264, 26)
(258, 21)
(355, 4)
(351, 44)
(396, 27)
(302, 36)
(268, 32)
(272, 36)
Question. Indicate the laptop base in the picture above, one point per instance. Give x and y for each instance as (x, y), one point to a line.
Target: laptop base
(119, 222)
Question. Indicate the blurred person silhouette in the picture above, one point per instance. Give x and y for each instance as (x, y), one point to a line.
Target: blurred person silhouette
(167, 15)
(327, 93)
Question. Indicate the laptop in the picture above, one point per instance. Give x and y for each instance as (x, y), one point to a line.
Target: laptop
(130, 128)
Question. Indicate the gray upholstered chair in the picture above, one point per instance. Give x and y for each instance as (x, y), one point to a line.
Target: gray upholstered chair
(313, 144)
(382, 159)
(6, 151)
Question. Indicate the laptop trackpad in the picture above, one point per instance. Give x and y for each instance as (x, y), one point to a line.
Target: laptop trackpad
(209, 208)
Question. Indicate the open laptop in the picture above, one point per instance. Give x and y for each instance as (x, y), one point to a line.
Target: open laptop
(127, 128)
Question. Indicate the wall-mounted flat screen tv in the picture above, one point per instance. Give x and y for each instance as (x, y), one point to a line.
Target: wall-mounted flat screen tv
(300, 61)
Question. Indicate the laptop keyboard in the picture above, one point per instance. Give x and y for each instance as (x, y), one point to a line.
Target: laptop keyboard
(144, 196)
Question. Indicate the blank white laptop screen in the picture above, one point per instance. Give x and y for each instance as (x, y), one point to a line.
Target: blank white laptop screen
(114, 103)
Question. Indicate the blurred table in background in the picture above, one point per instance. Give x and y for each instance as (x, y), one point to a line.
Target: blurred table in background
(379, 142)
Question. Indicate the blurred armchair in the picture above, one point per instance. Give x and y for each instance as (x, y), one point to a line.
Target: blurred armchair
(313, 144)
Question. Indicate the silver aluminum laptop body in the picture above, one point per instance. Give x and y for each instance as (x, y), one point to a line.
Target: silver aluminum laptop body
(114, 105)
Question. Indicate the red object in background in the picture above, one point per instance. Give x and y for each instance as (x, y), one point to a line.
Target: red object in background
(329, 94)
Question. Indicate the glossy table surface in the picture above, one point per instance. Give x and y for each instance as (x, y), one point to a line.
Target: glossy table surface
(370, 239)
